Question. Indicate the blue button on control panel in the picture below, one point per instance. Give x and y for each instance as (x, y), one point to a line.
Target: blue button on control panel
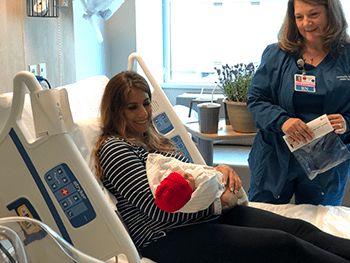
(70, 195)
(163, 123)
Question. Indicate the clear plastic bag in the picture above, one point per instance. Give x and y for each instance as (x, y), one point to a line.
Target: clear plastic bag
(322, 154)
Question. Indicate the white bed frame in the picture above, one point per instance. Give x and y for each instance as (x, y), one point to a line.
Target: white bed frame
(84, 100)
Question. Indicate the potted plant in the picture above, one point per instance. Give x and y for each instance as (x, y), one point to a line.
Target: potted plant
(234, 81)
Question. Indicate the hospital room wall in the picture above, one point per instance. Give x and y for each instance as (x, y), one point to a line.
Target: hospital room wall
(108, 57)
(90, 53)
(120, 38)
(125, 34)
(128, 32)
(32, 40)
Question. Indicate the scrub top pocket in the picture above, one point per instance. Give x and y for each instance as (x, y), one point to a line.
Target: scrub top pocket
(259, 159)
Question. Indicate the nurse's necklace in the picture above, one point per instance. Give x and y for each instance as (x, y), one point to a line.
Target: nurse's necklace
(311, 60)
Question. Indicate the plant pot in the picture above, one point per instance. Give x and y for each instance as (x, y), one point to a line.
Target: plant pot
(240, 118)
(227, 120)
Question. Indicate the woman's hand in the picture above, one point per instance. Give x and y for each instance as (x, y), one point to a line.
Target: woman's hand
(229, 199)
(338, 123)
(297, 130)
(230, 177)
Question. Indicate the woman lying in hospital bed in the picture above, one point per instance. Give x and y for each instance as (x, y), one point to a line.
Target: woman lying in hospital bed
(239, 233)
(85, 97)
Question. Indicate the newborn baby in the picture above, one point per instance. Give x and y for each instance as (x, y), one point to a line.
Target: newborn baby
(185, 187)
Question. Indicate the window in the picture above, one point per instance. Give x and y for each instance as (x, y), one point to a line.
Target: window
(205, 34)
(183, 40)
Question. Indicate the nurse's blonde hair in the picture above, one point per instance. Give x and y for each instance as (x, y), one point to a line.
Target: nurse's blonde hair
(335, 35)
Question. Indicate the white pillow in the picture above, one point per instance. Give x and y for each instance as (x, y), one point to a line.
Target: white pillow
(85, 135)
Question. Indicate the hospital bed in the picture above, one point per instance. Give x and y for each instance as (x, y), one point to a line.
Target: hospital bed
(71, 152)
(17, 246)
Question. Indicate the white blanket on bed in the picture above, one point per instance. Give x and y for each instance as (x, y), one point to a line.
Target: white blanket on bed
(334, 220)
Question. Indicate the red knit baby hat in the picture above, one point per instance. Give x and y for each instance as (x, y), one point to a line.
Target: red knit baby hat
(173, 193)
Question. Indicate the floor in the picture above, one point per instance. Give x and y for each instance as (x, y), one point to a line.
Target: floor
(231, 154)
(235, 156)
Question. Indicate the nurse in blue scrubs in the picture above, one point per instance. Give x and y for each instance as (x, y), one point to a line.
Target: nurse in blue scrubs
(313, 43)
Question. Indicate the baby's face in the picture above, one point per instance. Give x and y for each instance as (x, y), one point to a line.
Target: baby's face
(189, 178)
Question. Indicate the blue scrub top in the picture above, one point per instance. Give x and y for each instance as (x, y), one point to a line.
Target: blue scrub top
(272, 100)
(310, 105)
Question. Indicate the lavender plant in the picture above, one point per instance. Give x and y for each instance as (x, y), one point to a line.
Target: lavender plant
(235, 80)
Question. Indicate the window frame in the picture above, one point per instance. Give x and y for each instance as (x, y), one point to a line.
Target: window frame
(159, 55)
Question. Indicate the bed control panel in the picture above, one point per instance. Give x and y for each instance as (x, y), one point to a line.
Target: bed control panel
(163, 123)
(181, 147)
(164, 126)
(70, 195)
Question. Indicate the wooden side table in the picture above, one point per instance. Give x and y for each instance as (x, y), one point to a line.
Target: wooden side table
(206, 141)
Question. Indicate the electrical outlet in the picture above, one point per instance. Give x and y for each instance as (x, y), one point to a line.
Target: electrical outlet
(33, 69)
(42, 70)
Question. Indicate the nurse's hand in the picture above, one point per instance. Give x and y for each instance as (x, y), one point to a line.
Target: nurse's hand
(338, 123)
(297, 130)
(229, 176)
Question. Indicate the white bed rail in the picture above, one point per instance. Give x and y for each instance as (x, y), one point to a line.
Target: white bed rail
(165, 118)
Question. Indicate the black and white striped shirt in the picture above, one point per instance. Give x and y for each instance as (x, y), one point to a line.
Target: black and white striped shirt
(124, 175)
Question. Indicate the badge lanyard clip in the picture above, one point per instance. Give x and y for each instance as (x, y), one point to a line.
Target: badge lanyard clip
(301, 64)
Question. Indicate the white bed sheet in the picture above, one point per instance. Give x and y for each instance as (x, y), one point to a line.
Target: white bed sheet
(331, 219)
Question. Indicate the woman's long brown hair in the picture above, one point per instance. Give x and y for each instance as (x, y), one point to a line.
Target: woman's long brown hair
(113, 121)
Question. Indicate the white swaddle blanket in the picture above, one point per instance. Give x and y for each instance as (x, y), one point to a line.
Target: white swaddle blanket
(208, 181)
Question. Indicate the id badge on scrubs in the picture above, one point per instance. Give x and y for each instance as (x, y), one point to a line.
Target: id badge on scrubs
(304, 83)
